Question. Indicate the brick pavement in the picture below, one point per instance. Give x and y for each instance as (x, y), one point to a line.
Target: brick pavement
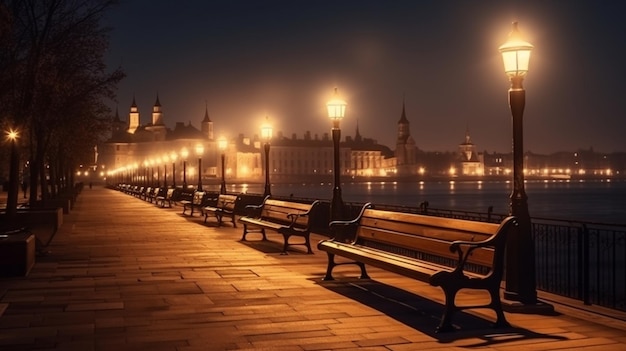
(124, 274)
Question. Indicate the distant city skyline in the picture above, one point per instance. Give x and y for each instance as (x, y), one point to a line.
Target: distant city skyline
(246, 60)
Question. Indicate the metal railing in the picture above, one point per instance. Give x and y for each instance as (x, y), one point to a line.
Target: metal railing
(585, 261)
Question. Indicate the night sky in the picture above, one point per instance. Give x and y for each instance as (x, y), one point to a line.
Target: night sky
(249, 59)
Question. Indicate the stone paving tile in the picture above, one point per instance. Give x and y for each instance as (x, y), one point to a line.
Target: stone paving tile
(124, 274)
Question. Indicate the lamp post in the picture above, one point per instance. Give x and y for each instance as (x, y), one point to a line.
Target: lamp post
(173, 157)
(166, 159)
(152, 172)
(184, 153)
(199, 152)
(336, 111)
(145, 173)
(222, 143)
(11, 209)
(157, 162)
(266, 135)
(520, 251)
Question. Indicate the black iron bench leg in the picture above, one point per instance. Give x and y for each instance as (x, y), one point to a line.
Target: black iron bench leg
(496, 304)
(450, 309)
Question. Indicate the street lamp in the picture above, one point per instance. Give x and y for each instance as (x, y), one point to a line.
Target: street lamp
(152, 172)
(145, 173)
(157, 162)
(184, 153)
(199, 152)
(336, 111)
(173, 157)
(166, 159)
(11, 209)
(222, 143)
(266, 135)
(520, 251)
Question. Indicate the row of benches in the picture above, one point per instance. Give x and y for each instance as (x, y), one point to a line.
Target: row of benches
(453, 254)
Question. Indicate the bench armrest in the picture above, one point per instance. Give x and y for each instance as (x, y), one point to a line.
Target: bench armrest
(345, 231)
(293, 217)
(497, 241)
(255, 208)
(351, 222)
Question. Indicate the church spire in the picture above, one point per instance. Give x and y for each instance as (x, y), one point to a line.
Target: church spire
(403, 116)
(157, 114)
(207, 124)
(206, 113)
(357, 136)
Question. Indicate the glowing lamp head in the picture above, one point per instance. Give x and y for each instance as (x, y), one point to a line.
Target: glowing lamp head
(336, 107)
(515, 54)
(222, 143)
(184, 153)
(199, 150)
(12, 135)
(266, 130)
(173, 156)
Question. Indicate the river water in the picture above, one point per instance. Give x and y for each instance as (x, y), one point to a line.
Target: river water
(582, 200)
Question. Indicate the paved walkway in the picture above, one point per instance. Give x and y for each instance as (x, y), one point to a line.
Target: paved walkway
(123, 274)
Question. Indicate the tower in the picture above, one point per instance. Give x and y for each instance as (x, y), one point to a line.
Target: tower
(117, 126)
(133, 118)
(157, 114)
(405, 145)
(207, 124)
(157, 128)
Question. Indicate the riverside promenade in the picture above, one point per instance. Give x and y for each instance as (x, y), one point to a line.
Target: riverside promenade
(124, 274)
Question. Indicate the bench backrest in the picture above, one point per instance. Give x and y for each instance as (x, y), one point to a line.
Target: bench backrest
(226, 202)
(198, 198)
(416, 235)
(169, 193)
(278, 211)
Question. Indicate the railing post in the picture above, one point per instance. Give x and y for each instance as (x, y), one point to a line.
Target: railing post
(585, 264)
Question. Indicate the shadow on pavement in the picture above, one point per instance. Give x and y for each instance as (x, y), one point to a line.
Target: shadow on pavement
(424, 315)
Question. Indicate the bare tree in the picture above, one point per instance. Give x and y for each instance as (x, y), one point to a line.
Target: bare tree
(52, 62)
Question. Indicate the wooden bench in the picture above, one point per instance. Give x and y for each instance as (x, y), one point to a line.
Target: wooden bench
(285, 217)
(199, 200)
(451, 253)
(166, 198)
(152, 195)
(224, 207)
(137, 191)
(146, 193)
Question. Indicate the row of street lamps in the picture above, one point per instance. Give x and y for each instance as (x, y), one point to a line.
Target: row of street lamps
(520, 257)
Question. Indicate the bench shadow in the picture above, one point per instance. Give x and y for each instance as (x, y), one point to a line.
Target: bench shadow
(424, 315)
(270, 246)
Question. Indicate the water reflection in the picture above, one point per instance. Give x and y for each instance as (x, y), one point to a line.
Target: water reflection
(600, 201)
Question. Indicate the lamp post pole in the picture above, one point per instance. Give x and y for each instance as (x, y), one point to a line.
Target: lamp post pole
(222, 144)
(520, 248)
(336, 111)
(266, 134)
(11, 209)
(199, 152)
(173, 156)
(158, 167)
(184, 153)
(166, 159)
(152, 173)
